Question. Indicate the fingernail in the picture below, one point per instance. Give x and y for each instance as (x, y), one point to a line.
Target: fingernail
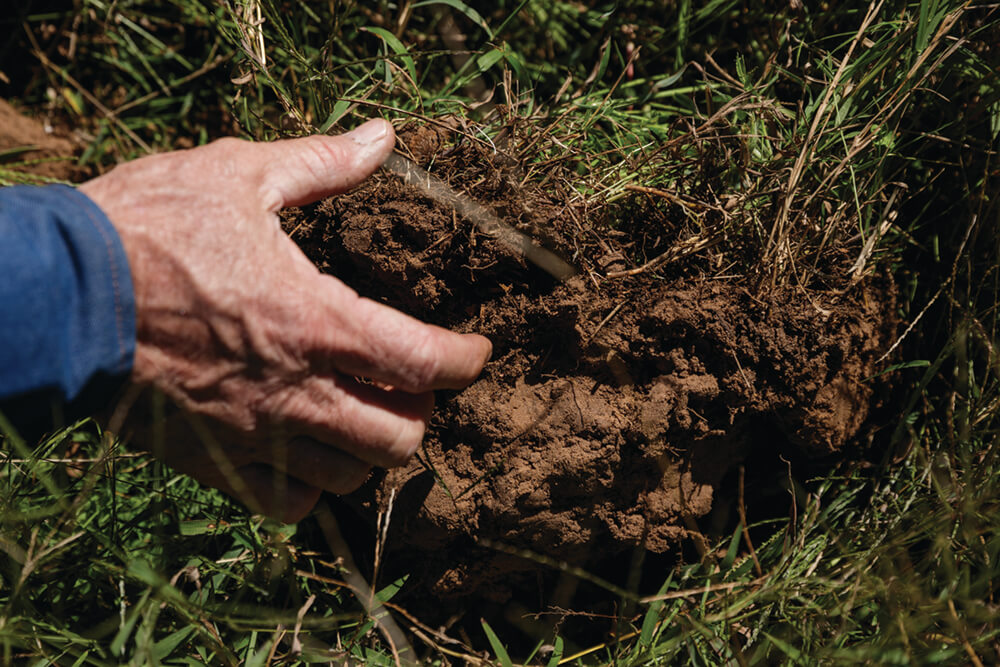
(370, 133)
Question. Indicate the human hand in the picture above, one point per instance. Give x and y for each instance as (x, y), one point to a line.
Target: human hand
(258, 349)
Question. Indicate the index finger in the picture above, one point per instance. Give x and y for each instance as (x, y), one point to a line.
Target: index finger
(364, 338)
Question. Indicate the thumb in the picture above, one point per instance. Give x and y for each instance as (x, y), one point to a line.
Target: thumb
(301, 171)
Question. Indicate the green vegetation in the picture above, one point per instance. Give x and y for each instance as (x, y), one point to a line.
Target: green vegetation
(816, 148)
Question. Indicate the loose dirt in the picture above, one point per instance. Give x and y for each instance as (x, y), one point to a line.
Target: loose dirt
(613, 408)
(49, 153)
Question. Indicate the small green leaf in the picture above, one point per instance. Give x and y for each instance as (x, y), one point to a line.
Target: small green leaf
(339, 109)
(202, 526)
(498, 648)
(605, 60)
(516, 63)
(166, 646)
(260, 656)
(489, 59)
(916, 363)
(557, 653)
(741, 72)
(389, 591)
(397, 47)
(652, 616)
(16, 150)
(734, 546)
(125, 631)
(670, 80)
(786, 648)
(471, 13)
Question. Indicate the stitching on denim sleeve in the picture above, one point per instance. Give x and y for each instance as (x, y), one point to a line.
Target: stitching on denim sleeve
(115, 282)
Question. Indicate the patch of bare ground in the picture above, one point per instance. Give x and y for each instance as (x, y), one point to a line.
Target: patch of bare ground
(35, 150)
(613, 408)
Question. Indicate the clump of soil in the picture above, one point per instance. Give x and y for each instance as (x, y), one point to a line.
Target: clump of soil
(613, 408)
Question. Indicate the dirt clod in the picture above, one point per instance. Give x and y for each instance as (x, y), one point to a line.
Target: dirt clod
(612, 409)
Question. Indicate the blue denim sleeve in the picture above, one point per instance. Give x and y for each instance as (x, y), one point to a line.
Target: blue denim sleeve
(67, 307)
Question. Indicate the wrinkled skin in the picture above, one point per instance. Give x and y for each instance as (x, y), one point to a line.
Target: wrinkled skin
(258, 354)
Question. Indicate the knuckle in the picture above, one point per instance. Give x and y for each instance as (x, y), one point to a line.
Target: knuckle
(227, 144)
(407, 438)
(224, 158)
(424, 361)
(325, 154)
(225, 150)
(335, 306)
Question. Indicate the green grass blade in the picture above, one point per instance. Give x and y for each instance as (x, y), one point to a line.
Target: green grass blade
(163, 648)
(460, 6)
(396, 47)
(498, 647)
(557, 652)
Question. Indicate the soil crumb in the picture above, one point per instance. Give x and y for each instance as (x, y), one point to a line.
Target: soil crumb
(612, 409)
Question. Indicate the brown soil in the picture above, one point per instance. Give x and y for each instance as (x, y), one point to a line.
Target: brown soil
(612, 409)
(52, 151)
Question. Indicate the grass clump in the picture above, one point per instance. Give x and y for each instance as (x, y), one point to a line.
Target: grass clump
(797, 147)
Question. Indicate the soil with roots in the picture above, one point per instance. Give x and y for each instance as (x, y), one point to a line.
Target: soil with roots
(613, 408)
